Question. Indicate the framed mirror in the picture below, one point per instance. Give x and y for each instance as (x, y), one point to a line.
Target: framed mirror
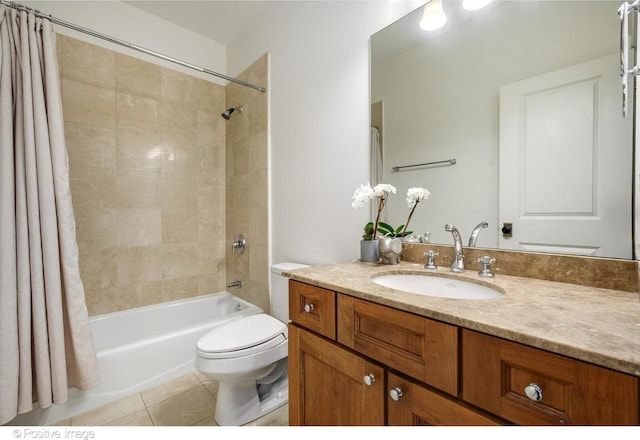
(509, 115)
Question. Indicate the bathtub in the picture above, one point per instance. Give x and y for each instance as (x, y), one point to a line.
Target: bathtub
(143, 347)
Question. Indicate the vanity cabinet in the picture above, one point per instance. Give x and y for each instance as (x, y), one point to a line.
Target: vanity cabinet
(357, 362)
(528, 386)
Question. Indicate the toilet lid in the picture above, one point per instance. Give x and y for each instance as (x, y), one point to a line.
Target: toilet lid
(243, 336)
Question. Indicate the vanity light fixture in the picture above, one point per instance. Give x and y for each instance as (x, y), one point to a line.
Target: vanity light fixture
(433, 16)
(472, 5)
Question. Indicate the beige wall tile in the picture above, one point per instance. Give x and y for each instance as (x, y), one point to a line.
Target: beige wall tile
(211, 97)
(179, 87)
(137, 77)
(179, 261)
(98, 268)
(138, 265)
(100, 301)
(92, 187)
(148, 153)
(211, 165)
(138, 227)
(247, 185)
(180, 156)
(139, 149)
(139, 295)
(88, 63)
(179, 288)
(96, 228)
(137, 189)
(137, 112)
(211, 197)
(88, 104)
(90, 146)
(210, 127)
(179, 226)
(211, 226)
(178, 192)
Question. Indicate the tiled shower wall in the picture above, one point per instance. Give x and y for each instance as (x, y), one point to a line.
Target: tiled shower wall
(146, 149)
(247, 185)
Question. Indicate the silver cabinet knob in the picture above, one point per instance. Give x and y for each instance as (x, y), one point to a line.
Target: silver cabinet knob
(308, 308)
(369, 379)
(533, 392)
(396, 393)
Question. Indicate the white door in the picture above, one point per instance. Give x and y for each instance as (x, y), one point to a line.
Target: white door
(566, 162)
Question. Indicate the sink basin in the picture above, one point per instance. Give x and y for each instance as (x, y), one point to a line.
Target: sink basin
(437, 286)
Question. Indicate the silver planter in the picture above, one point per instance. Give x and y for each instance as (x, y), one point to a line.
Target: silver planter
(369, 251)
(390, 250)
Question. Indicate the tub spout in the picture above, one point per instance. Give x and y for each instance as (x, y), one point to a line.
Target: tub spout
(238, 283)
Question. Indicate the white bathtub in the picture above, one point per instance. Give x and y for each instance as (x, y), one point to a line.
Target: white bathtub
(143, 347)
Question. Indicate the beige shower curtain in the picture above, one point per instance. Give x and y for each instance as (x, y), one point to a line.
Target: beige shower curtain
(45, 341)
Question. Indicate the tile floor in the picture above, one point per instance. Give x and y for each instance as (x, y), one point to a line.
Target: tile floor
(189, 400)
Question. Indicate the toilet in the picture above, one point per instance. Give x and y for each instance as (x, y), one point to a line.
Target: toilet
(248, 358)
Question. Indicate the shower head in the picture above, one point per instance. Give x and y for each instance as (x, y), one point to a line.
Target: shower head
(227, 112)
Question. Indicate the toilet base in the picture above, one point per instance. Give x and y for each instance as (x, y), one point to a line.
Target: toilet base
(239, 403)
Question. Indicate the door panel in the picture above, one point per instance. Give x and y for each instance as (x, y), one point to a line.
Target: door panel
(565, 162)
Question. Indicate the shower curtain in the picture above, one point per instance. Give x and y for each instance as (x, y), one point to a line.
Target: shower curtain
(45, 341)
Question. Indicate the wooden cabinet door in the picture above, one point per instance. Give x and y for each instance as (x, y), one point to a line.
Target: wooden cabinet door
(497, 374)
(413, 404)
(327, 386)
(422, 348)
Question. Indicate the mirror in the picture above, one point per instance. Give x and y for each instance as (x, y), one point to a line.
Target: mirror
(448, 96)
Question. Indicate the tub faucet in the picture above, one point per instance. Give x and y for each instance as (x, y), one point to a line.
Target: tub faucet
(474, 235)
(238, 283)
(458, 261)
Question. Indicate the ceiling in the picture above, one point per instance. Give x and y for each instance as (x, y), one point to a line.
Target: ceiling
(217, 20)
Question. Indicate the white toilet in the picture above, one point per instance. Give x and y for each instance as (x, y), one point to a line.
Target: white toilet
(248, 357)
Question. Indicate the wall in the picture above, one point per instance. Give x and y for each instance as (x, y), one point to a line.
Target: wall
(319, 119)
(146, 156)
(247, 184)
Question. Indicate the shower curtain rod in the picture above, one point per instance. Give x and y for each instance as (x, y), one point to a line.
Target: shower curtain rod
(127, 44)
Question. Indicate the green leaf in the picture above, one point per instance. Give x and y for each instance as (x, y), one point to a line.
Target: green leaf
(386, 228)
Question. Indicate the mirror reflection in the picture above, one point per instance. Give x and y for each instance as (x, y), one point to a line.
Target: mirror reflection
(515, 109)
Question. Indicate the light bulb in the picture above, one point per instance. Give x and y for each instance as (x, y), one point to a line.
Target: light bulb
(433, 16)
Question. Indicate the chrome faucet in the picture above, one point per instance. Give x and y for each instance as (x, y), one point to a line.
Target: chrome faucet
(474, 235)
(458, 261)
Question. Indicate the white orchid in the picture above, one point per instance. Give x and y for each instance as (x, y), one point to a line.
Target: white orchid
(414, 196)
(382, 189)
(364, 193)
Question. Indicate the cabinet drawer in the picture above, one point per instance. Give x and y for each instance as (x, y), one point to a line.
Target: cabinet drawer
(424, 349)
(413, 404)
(313, 307)
(497, 375)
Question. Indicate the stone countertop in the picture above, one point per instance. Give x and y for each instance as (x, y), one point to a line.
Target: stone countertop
(596, 325)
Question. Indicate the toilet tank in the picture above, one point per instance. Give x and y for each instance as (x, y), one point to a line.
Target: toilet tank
(280, 290)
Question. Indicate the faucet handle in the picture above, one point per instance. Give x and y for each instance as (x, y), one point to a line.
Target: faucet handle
(430, 265)
(486, 266)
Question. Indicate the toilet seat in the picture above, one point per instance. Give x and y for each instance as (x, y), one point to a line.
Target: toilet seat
(242, 337)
